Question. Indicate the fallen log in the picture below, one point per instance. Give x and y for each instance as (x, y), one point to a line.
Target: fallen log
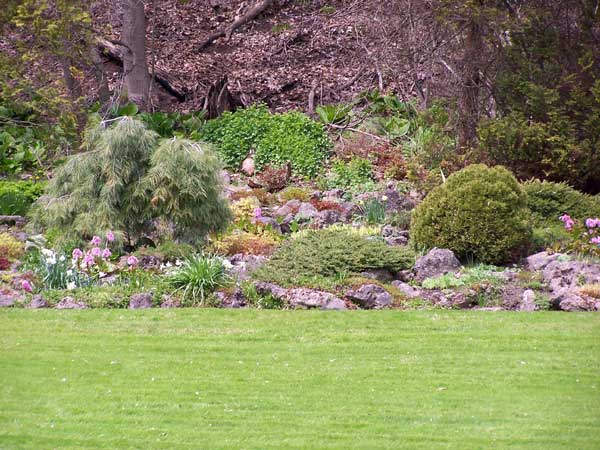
(114, 51)
(252, 13)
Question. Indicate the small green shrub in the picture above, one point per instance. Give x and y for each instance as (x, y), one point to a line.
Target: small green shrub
(547, 201)
(275, 139)
(199, 276)
(17, 196)
(294, 193)
(167, 251)
(479, 213)
(331, 254)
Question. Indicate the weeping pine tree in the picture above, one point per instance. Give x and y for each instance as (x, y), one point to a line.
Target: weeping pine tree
(127, 178)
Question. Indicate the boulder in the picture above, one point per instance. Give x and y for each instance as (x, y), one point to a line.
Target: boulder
(70, 303)
(142, 300)
(370, 296)
(326, 218)
(394, 236)
(572, 302)
(348, 210)
(242, 265)
(528, 301)
(437, 262)
(541, 260)
(570, 274)
(37, 302)
(9, 298)
(408, 290)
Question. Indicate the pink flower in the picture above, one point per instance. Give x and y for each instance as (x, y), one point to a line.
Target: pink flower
(88, 259)
(566, 219)
(110, 237)
(26, 285)
(77, 254)
(96, 240)
(132, 260)
(595, 240)
(96, 252)
(257, 213)
(106, 253)
(592, 223)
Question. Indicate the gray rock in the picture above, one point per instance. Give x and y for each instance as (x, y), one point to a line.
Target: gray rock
(382, 275)
(455, 300)
(349, 209)
(293, 204)
(408, 290)
(306, 212)
(301, 298)
(370, 296)
(270, 222)
(572, 302)
(528, 301)
(315, 195)
(9, 298)
(142, 300)
(282, 211)
(405, 275)
(326, 218)
(244, 265)
(334, 194)
(37, 302)
(70, 303)
(394, 236)
(437, 262)
(234, 300)
(170, 302)
(541, 260)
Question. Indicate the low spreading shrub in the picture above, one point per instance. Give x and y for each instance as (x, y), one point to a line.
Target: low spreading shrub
(330, 254)
(246, 243)
(353, 174)
(294, 193)
(547, 201)
(480, 213)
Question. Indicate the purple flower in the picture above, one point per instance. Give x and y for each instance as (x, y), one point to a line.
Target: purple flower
(595, 240)
(110, 237)
(96, 240)
(26, 285)
(257, 213)
(77, 253)
(96, 252)
(106, 253)
(132, 260)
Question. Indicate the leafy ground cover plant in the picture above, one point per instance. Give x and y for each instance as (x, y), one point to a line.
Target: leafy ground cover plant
(479, 213)
(330, 254)
(274, 139)
(356, 173)
(10, 248)
(17, 196)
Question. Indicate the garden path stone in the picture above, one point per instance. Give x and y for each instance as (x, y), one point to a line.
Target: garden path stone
(438, 261)
(370, 296)
(142, 300)
(70, 303)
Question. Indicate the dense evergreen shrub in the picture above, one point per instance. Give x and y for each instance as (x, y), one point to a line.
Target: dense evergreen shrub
(547, 201)
(325, 253)
(275, 139)
(479, 213)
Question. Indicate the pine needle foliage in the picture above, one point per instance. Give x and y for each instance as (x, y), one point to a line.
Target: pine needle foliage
(109, 186)
(185, 186)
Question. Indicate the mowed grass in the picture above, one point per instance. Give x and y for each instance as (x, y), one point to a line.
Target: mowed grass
(217, 379)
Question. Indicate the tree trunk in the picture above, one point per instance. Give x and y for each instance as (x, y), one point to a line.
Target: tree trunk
(135, 67)
(471, 85)
(100, 74)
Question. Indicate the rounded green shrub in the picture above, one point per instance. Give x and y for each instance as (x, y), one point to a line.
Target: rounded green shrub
(480, 213)
(17, 196)
(547, 201)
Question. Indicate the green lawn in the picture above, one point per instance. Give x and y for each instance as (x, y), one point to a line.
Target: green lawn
(218, 379)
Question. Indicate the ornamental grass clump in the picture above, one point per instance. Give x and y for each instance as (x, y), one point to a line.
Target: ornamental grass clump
(198, 276)
(124, 182)
(480, 213)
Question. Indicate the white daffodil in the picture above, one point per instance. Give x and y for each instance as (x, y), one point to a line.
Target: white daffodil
(62, 258)
(71, 285)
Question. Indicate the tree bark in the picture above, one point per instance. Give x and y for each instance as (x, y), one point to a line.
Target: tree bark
(135, 67)
(100, 74)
